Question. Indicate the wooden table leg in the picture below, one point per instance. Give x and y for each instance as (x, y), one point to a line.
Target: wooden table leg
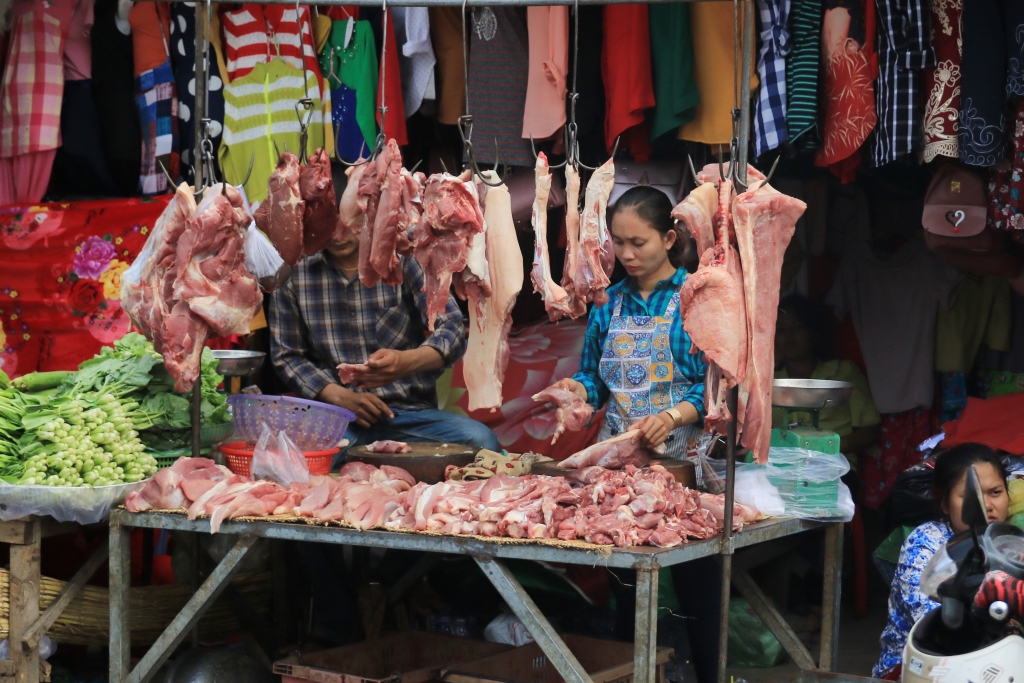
(24, 587)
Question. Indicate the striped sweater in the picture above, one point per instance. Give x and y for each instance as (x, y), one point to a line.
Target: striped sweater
(259, 111)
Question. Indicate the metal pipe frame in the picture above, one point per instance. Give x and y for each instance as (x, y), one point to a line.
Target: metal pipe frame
(647, 561)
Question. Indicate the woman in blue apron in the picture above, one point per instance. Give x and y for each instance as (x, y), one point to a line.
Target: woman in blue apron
(637, 357)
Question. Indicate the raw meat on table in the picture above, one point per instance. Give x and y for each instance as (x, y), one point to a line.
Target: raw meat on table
(573, 412)
(280, 215)
(451, 216)
(162, 492)
(348, 372)
(577, 306)
(556, 301)
(320, 217)
(388, 446)
(490, 317)
(765, 222)
(613, 453)
(597, 256)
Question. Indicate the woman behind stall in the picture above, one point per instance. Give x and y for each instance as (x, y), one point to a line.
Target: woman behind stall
(907, 604)
(636, 355)
(801, 352)
(637, 358)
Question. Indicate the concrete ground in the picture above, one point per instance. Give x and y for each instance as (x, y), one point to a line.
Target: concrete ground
(858, 647)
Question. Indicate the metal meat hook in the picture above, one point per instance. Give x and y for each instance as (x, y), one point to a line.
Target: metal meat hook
(304, 111)
(466, 122)
(693, 171)
(769, 176)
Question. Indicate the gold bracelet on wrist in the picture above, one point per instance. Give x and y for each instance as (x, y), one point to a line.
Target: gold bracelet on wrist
(676, 417)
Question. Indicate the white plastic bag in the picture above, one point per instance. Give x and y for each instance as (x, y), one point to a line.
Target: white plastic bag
(263, 261)
(279, 460)
(754, 490)
(46, 648)
(808, 482)
(507, 630)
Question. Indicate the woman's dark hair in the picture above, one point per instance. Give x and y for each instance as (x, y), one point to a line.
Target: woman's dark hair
(814, 318)
(951, 466)
(654, 208)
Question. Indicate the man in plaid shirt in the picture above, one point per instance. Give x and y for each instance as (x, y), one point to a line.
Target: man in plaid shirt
(325, 316)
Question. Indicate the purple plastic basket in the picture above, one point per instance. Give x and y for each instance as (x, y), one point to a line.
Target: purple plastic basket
(311, 425)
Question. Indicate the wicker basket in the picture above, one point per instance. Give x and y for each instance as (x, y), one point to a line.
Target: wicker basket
(86, 621)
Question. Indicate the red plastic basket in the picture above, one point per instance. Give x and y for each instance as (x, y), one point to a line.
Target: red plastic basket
(239, 457)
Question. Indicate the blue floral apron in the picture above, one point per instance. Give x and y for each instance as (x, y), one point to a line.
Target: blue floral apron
(638, 367)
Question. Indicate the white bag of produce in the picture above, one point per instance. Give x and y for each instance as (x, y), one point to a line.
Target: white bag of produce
(507, 630)
(80, 504)
(279, 460)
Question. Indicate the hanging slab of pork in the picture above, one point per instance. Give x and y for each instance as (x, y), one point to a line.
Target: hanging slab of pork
(696, 212)
(765, 221)
(369, 193)
(320, 216)
(390, 223)
(577, 306)
(451, 216)
(597, 257)
(280, 216)
(490, 312)
(556, 301)
(352, 207)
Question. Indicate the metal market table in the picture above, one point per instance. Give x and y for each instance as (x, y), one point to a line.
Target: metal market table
(488, 555)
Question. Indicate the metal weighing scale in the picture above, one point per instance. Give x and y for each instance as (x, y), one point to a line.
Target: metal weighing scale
(808, 396)
(803, 481)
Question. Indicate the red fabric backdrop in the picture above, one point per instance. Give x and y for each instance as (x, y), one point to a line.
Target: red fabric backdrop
(539, 356)
(60, 281)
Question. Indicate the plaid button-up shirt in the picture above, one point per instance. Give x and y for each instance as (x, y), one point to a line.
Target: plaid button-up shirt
(322, 318)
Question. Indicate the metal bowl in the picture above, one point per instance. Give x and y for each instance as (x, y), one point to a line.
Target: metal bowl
(810, 393)
(238, 363)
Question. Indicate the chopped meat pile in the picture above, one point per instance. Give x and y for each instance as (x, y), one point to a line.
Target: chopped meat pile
(388, 446)
(597, 257)
(624, 508)
(573, 412)
(556, 301)
(730, 304)
(320, 216)
(451, 217)
(492, 280)
(193, 280)
(614, 453)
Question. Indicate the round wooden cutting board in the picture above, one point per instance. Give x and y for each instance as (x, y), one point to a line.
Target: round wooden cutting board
(426, 462)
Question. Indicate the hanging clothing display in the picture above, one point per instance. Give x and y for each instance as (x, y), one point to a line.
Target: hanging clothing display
(416, 59)
(114, 96)
(183, 57)
(894, 302)
(389, 90)
(848, 87)
(675, 86)
(446, 39)
(157, 102)
(32, 91)
(291, 37)
(904, 50)
(246, 41)
(802, 67)
(590, 109)
(626, 71)
(261, 102)
(351, 73)
(498, 72)
(770, 109)
(548, 28)
(78, 48)
(1006, 182)
(992, 69)
(981, 316)
(901, 433)
(712, 30)
(942, 108)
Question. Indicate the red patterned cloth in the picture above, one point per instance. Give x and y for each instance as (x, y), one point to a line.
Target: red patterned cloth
(60, 286)
(942, 110)
(33, 81)
(901, 434)
(1005, 199)
(539, 356)
(848, 86)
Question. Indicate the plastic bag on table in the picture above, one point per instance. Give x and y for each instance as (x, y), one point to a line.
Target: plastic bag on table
(751, 644)
(711, 473)
(279, 460)
(79, 504)
(754, 490)
(810, 465)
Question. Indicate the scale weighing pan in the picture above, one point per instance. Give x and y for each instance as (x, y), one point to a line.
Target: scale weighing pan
(813, 394)
(231, 363)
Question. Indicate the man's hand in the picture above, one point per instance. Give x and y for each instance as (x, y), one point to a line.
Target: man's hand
(569, 384)
(653, 429)
(389, 365)
(368, 408)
